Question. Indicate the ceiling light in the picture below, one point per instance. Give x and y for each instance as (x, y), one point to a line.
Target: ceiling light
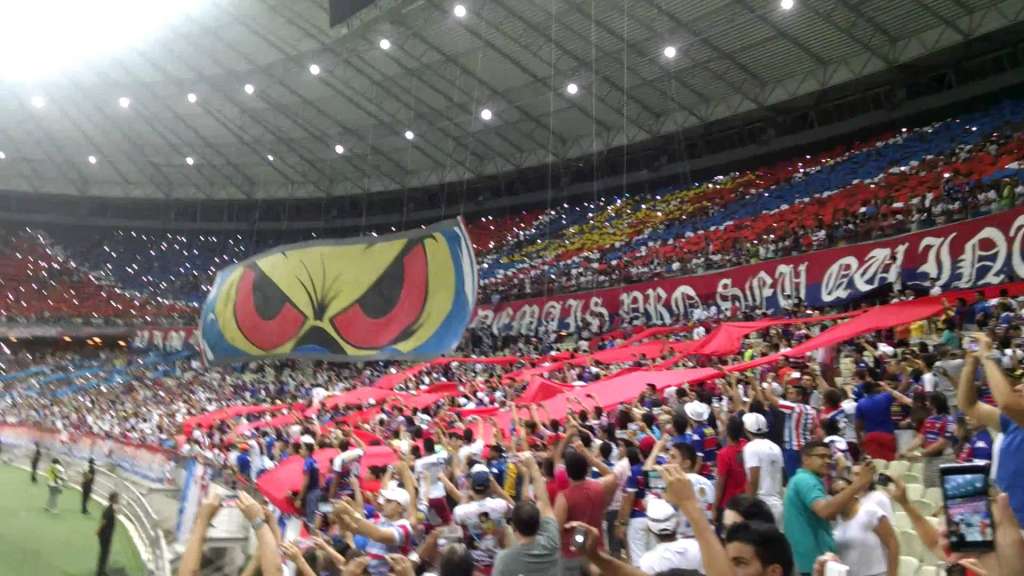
(2, 155)
(486, 114)
(314, 69)
(786, 4)
(670, 52)
(124, 101)
(572, 88)
(339, 148)
(192, 98)
(385, 44)
(92, 159)
(460, 11)
(38, 101)
(249, 89)
(409, 135)
(189, 160)
(270, 157)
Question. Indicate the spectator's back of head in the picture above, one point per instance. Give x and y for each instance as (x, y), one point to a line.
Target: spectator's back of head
(747, 508)
(456, 560)
(757, 545)
(526, 518)
(576, 465)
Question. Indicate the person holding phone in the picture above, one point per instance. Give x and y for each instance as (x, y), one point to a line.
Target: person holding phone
(809, 509)
(864, 536)
(935, 439)
(1008, 418)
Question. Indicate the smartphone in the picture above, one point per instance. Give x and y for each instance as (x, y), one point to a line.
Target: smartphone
(970, 344)
(883, 479)
(578, 540)
(324, 508)
(833, 568)
(968, 508)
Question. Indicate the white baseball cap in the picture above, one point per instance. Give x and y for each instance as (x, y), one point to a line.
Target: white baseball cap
(697, 410)
(755, 423)
(662, 518)
(395, 494)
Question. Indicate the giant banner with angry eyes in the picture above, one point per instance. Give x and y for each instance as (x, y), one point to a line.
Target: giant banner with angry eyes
(405, 296)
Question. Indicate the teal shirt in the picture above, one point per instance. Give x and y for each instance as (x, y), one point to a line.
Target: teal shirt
(951, 339)
(809, 535)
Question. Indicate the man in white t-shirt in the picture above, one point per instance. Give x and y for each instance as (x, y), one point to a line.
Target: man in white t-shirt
(685, 456)
(483, 519)
(671, 551)
(762, 459)
(428, 471)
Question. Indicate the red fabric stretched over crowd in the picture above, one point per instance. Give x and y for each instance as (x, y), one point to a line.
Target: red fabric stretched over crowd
(389, 381)
(469, 360)
(447, 388)
(357, 396)
(485, 411)
(657, 331)
(870, 320)
(360, 416)
(611, 392)
(727, 338)
(540, 389)
(625, 353)
(276, 422)
(217, 416)
(421, 400)
(277, 484)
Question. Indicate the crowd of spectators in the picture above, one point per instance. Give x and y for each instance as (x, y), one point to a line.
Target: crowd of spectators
(780, 460)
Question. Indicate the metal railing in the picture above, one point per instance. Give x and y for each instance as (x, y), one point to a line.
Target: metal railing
(137, 515)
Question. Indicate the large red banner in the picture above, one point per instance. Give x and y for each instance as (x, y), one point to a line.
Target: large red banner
(974, 253)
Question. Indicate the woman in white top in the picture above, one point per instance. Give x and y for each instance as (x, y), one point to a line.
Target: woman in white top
(864, 537)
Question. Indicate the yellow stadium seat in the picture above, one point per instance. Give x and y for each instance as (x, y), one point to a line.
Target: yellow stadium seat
(934, 495)
(910, 544)
(881, 465)
(914, 491)
(898, 468)
(917, 468)
(908, 566)
(928, 571)
(926, 507)
(901, 521)
(912, 478)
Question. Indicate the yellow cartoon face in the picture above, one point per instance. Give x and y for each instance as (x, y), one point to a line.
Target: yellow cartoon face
(389, 298)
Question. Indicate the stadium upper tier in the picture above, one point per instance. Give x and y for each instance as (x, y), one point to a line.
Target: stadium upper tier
(901, 180)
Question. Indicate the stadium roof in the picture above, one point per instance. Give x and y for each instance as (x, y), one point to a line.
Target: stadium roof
(124, 125)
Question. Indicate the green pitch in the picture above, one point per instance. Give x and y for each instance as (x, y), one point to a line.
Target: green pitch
(34, 542)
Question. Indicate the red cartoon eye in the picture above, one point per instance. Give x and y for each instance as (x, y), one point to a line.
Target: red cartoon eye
(390, 306)
(263, 312)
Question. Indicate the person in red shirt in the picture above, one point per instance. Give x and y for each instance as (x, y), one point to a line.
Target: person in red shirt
(585, 500)
(732, 478)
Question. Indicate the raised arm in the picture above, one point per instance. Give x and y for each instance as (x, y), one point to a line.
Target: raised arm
(1008, 400)
(606, 564)
(967, 396)
(679, 492)
(829, 508)
(266, 542)
(540, 487)
(192, 557)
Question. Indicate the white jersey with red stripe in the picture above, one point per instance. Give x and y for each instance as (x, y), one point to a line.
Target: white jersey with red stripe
(801, 422)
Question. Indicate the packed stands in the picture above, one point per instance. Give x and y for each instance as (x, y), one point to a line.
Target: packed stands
(898, 181)
(39, 283)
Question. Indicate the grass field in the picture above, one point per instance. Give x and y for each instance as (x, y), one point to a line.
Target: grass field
(34, 542)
